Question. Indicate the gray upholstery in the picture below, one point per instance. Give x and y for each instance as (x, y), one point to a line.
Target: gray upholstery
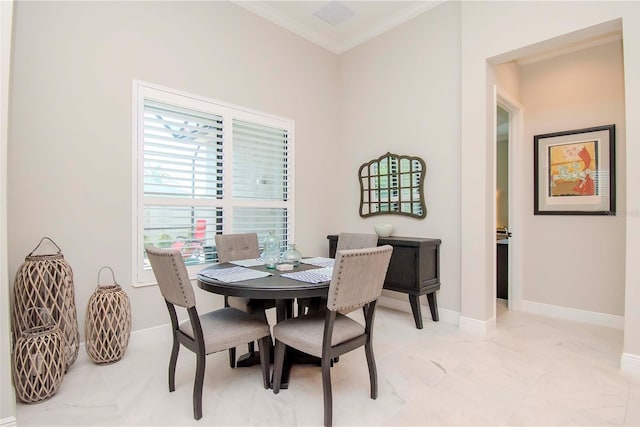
(172, 276)
(356, 241)
(345, 241)
(233, 247)
(306, 334)
(226, 328)
(358, 276)
(215, 331)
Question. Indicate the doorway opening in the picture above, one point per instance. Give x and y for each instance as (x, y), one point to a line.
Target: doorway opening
(502, 208)
(507, 216)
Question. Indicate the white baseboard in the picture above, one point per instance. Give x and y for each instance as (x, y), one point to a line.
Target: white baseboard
(145, 337)
(448, 316)
(630, 364)
(476, 326)
(574, 314)
(8, 422)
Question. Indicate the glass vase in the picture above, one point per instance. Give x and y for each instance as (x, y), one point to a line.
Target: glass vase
(292, 256)
(271, 254)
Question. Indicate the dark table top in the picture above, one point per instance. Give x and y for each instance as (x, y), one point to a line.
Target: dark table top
(271, 287)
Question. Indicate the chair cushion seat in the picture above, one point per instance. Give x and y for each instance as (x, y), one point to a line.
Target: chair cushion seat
(305, 333)
(226, 328)
(250, 305)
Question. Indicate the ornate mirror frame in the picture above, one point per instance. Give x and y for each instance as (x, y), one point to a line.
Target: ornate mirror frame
(392, 184)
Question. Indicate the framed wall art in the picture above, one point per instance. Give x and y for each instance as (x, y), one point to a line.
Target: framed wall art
(574, 172)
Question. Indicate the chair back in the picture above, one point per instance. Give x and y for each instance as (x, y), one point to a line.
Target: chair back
(172, 276)
(358, 276)
(232, 247)
(356, 241)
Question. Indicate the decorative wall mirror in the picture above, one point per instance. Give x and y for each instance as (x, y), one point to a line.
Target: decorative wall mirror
(392, 184)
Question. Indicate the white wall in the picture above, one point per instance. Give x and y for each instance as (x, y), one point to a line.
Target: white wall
(583, 256)
(497, 31)
(7, 396)
(400, 93)
(70, 145)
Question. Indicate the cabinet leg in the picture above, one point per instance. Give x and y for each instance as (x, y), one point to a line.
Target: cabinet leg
(433, 306)
(414, 300)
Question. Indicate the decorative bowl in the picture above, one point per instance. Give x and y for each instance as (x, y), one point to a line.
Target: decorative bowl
(383, 230)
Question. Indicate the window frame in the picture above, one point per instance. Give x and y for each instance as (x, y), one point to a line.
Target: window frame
(144, 90)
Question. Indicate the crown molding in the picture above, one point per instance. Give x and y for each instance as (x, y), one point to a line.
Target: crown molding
(263, 10)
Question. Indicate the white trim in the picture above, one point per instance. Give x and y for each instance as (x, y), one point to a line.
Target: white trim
(581, 45)
(446, 316)
(574, 314)
(630, 364)
(199, 98)
(476, 326)
(516, 112)
(8, 422)
(263, 10)
(229, 112)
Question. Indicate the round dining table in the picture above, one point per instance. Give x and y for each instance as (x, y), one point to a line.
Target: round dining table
(270, 287)
(273, 287)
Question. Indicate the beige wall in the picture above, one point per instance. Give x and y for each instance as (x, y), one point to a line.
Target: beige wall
(70, 149)
(583, 256)
(424, 88)
(499, 32)
(400, 93)
(7, 396)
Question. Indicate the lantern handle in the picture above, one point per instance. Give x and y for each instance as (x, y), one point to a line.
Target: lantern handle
(42, 240)
(113, 276)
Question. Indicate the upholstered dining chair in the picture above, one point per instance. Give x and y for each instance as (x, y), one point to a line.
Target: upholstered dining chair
(234, 247)
(358, 276)
(356, 241)
(345, 241)
(212, 332)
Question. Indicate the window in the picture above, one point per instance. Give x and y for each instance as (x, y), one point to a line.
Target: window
(205, 168)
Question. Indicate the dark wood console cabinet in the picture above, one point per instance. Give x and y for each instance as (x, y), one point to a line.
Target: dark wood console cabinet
(414, 269)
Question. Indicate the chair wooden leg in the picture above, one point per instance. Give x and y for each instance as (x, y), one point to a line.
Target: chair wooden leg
(264, 346)
(277, 366)
(326, 391)
(197, 386)
(373, 373)
(173, 359)
(232, 357)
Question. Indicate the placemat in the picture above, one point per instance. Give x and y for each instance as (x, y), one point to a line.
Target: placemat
(317, 275)
(234, 274)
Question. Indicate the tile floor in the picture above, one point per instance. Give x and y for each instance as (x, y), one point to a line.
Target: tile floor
(532, 371)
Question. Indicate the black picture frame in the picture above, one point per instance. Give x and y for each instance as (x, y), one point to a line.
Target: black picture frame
(574, 172)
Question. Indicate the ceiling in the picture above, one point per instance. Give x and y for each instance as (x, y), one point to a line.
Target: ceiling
(353, 22)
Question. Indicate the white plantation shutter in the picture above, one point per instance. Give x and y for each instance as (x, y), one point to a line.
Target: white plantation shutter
(261, 220)
(259, 161)
(206, 168)
(182, 150)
